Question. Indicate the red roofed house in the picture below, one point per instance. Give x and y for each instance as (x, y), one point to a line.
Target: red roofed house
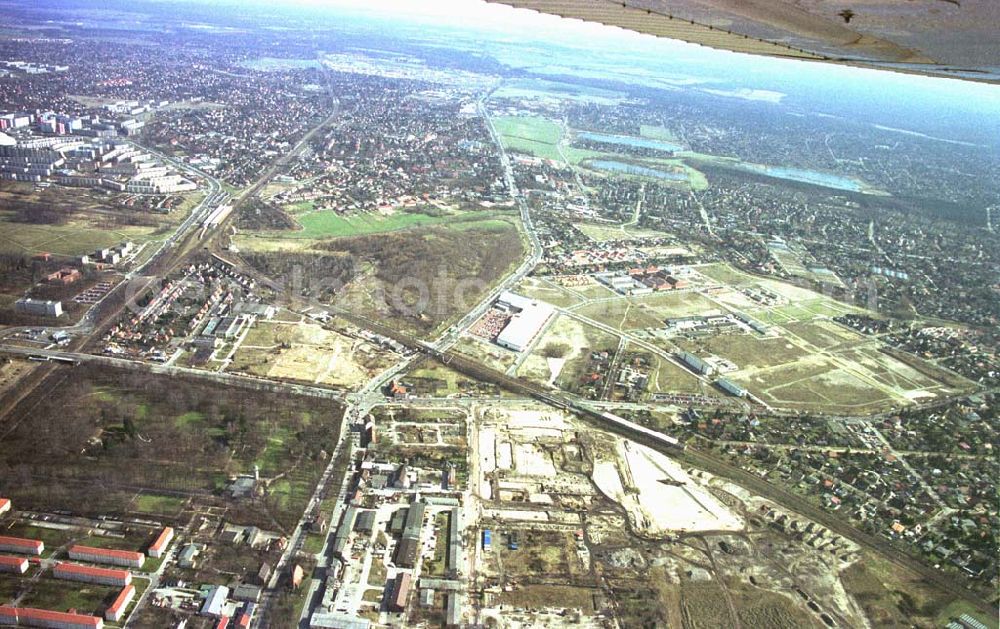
(21, 545)
(117, 609)
(105, 555)
(4, 505)
(162, 542)
(30, 617)
(88, 574)
(17, 565)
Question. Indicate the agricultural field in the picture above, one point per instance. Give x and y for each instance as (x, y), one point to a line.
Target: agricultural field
(191, 438)
(308, 352)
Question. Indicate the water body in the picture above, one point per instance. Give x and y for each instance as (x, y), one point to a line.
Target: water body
(813, 177)
(628, 140)
(635, 169)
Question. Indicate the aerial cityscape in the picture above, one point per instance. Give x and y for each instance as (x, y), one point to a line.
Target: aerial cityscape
(357, 315)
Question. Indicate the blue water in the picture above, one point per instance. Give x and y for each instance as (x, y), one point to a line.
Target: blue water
(628, 140)
(805, 176)
(633, 169)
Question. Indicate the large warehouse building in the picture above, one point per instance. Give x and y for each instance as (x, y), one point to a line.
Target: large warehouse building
(104, 555)
(529, 318)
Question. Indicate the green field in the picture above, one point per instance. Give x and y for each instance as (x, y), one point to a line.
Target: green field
(323, 224)
(158, 503)
(539, 137)
(657, 133)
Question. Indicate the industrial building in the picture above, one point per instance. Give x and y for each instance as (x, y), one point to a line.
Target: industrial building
(215, 601)
(695, 363)
(337, 620)
(528, 319)
(454, 614)
(17, 565)
(116, 610)
(104, 555)
(409, 546)
(187, 556)
(343, 533)
(38, 307)
(366, 521)
(731, 387)
(247, 592)
(31, 617)
(158, 547)
(88, 574)
(454, 540)
(400, 592)
(21, 545)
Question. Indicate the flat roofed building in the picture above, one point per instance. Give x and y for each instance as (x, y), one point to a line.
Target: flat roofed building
(454, 613)
(215, 601)
(31, 617)
(106, 555)
(158, 547)
(5, 505)
(337, 620)
(21, 545)
(38, 307)
(247, 592)
(89, 574)
(524, 326)
(731, 387)
(17, 565)
(117, 608)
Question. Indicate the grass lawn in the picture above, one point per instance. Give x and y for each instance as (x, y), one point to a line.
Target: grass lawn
(322, 224)
(158, 503)
(539, 137)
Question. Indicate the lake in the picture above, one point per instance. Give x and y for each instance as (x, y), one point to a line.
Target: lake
(635, 169)
(628, 140)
